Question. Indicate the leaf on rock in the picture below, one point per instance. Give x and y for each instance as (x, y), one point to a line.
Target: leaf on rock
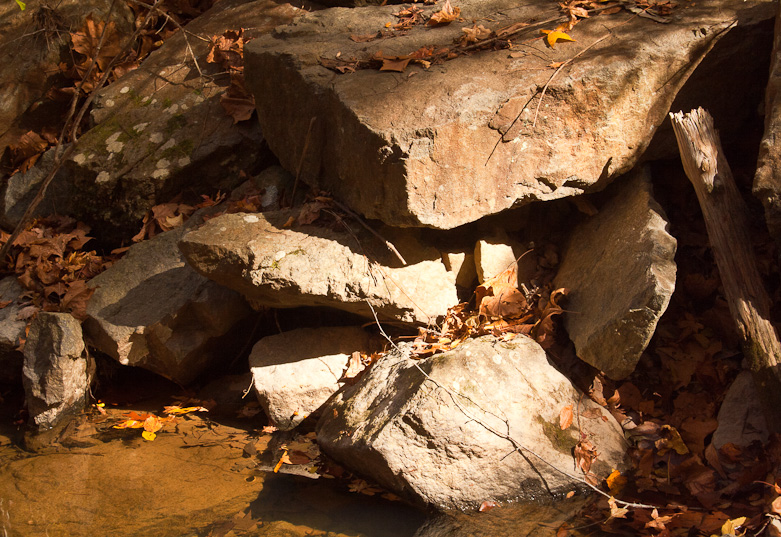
(447, 15)
(553, 36)
(565, 417)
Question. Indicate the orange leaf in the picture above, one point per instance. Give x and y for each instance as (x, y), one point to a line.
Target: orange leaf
(565, 417)
(283, 460)
(615, 481)
(447, 15)
(556, 35)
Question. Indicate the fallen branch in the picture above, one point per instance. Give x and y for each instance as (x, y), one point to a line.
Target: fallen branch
(726, 219)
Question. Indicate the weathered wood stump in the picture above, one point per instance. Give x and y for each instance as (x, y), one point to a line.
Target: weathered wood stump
(725, 217)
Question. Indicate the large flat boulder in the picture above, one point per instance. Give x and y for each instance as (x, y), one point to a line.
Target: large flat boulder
(436, 430)
(162, 127)
(446, 145)
(318, 266)
(151, 310)
(620, 268)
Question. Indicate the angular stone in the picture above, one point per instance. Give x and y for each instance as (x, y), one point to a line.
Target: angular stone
(767, 181)
(161, 126)
(317, 266)
(11, 330)
(495, 255)
(56, 375)
(462, 264)
(620, 269)
(459, 140)
(295, 372)
(434, 430)
(151, 310)
(741, 420)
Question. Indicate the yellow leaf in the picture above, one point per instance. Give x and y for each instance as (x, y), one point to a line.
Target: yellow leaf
(615, 481)
(186, 410)
(283, 460)
(556, 35)
(148, 435)
(730, 526)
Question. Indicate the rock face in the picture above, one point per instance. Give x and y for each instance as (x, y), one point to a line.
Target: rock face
(30, 48)
(767, 181)
(741, 421)
(162, 126)
(151, 310)
(620, 268)
(428, 438)
(419, 148)
(316, 266)
(56, 375)
(295, 372)
(11, 331)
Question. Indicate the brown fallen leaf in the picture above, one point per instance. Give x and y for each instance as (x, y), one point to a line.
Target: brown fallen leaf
(447, 15)
(565, 417)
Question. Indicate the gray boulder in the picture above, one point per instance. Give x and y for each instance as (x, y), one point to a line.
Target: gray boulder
(150, 309)
(11, 330)
(162, 127)
(620, 269)
(435, 430)
(56, 373)
(295, 372)
(317, 266)
(449, 144)
(741, 420)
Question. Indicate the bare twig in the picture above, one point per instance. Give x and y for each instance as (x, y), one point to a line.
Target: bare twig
(370, 230)
(301, 159)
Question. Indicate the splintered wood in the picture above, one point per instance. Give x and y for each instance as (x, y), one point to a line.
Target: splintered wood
(725, 217)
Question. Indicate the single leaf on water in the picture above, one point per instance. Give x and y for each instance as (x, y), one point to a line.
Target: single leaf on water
(149, 436)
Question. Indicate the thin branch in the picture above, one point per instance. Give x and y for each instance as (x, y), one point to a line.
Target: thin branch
(370, 230)
(301, 159)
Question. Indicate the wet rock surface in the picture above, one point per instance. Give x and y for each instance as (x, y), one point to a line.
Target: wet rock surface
(434, 430)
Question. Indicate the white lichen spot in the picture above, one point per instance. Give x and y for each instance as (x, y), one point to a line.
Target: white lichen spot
(469, 353)
(103, 177)
(279, 255)
(497, 359)
(251, 219)
(124, 90)
(456, 386)
(199, 99)
(162, 163)
(184, 161)
(223, 228)
(113, 145)
(156, 137)
(109, 103)
(161, 173)
(162, 72)
(174, 108)
(80, 158)
(140, 127)
(184, 107)
(168, 145)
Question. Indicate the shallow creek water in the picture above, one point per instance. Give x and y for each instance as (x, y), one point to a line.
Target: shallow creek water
(198, 479)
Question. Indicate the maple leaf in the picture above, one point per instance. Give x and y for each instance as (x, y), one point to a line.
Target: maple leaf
(553, 36)
(447, 15)
(565, 417)
(87, 41)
